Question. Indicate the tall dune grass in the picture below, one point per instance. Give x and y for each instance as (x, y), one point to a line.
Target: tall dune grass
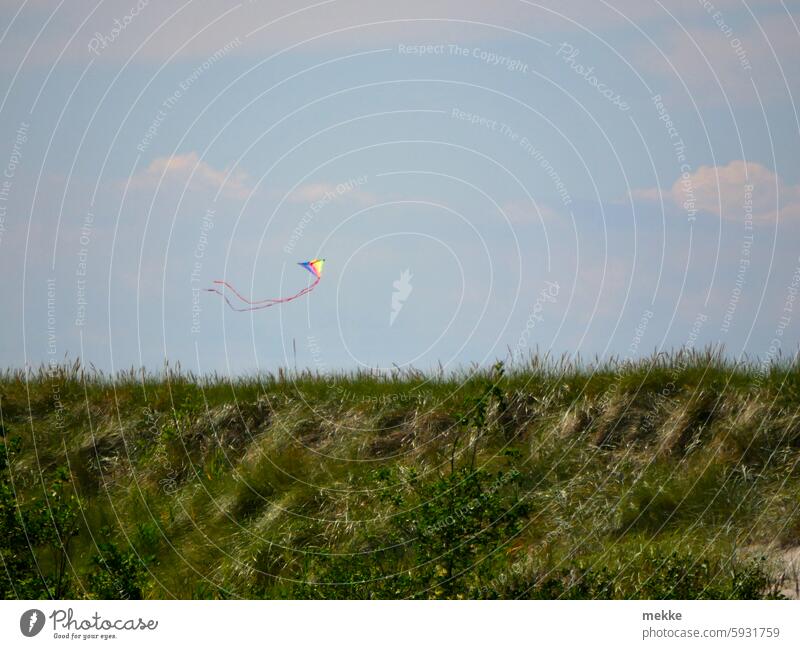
(673, 475)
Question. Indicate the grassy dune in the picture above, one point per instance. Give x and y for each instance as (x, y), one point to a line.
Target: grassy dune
(674, 477)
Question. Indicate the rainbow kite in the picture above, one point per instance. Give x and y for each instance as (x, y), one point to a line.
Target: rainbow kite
(314, 267)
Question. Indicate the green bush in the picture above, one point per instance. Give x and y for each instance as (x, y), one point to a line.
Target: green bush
(117, 574)
(36, 535)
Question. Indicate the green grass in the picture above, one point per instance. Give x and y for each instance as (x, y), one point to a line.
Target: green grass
(676, 476)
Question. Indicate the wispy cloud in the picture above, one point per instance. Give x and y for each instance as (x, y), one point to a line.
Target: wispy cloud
(646, 194)
(188, 168)
(327, 191)
(523, 212)
(733, 192)
(721, 63)
(194, 30)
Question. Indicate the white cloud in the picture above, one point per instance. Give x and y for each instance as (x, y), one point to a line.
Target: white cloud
(326, 191)
(724, 191)
(188, 168)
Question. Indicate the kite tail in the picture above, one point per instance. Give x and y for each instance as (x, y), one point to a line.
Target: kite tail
(258, 304)
(239, 295)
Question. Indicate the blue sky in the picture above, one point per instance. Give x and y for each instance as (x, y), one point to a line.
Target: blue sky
(602, 178)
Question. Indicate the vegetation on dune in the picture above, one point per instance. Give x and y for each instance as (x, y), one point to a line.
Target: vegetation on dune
(672, 477)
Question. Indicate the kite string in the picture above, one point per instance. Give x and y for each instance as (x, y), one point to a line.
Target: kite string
(260, 304)
(239, 295)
